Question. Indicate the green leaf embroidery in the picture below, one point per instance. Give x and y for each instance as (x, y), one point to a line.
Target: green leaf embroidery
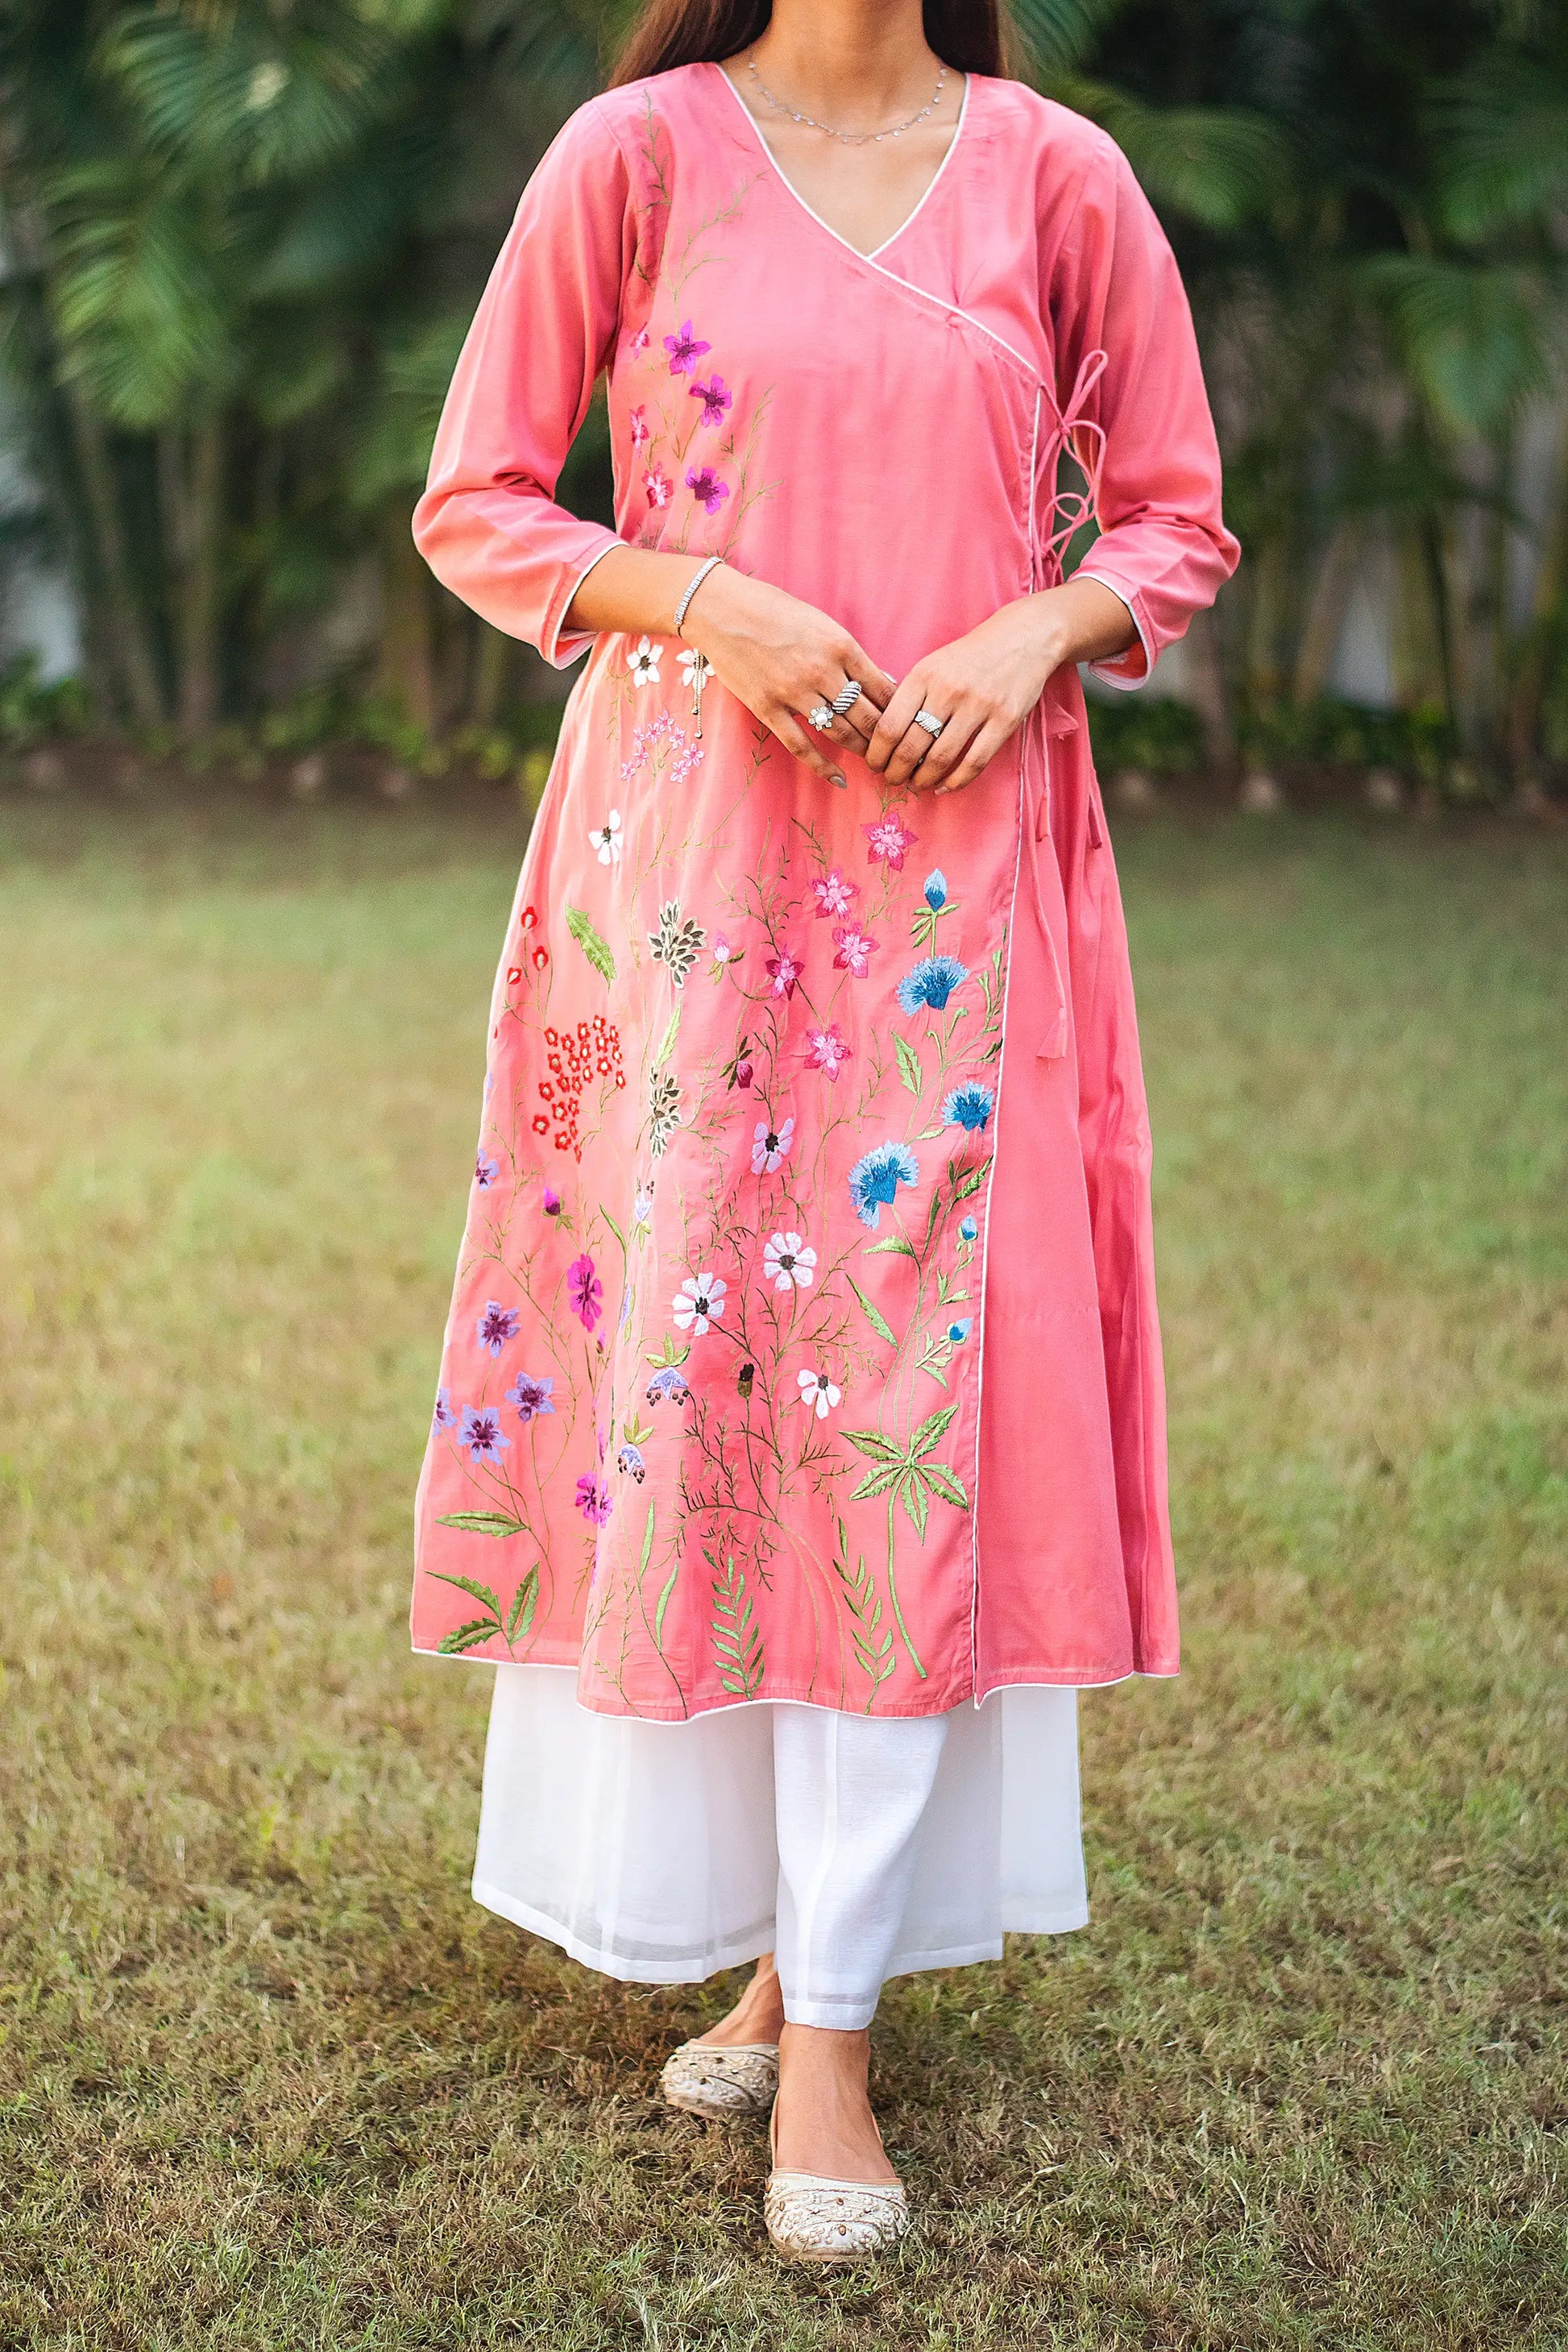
(594, 944)
(666, 1045)
(969, 1182)
(878, 1324)
(893, 1246)
(871, 1641)
(908, 1065)
(479, 1592)
(481, 1523)
(872, 1442)
(737, 1643)
(519, 1616)
(466, 1637)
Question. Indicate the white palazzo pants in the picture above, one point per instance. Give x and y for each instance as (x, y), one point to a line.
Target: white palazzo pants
(855, 1847)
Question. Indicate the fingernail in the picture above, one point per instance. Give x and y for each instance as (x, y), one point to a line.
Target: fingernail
(840, 777)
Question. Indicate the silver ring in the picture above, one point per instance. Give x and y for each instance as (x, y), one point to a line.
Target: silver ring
(929, 721)
(844, 701)
(820, 717)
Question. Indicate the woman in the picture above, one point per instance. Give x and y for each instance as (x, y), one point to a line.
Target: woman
(802, 1387)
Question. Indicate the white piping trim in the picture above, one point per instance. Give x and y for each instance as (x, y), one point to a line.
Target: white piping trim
(951, 309)
(1122, 685)
(552, 654)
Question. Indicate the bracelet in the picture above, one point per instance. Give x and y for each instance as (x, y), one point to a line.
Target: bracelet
(692, 585)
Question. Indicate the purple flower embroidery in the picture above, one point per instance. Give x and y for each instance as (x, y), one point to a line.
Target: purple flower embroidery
(593, 1500)
(445, 1415)
(550, 1205)
(684, 349)
(531, 1397)
(482, 1434)
(706, 487)
(496, 1325)
(714, 398)
(485, 1173)
(586, 1292)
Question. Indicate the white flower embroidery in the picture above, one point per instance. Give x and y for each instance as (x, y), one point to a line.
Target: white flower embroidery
(787, 1261)
(698, 667)
(644, 663)
(606, 839)
(769, 1146)
(698, 1303)
(819, 1394)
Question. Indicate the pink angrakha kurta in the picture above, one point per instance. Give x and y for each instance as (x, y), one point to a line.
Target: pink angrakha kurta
(803, 1340)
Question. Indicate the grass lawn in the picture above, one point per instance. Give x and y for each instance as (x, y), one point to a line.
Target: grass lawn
(267, 2078)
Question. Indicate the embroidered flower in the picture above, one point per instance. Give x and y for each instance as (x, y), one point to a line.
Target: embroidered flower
(604, 840)
(643, 663)
(834, 894)
(783, 969)
(889, 839)
(969, 1230)
(959, 1332)
(875, 1180)
(531, 1397)
(706, 487)
(630, 1458)
(787, 1263)
(640, 344)
(482, 1434)
(550, 1201)
(698, 667)
(585, 1292)
(715, 399)
(826, 1050)
(664, 1113)
(642, 1204)
(485, 1173)
(769, 1146)
(819, 1394)
(969, 1106)
(934, 889)
(684, 349)
(743, 1072)
(445, 1415)
(699, 1303)
(724, 954)
(853, 949)
(676, 944)
(660, 489)
(638, 423)
(931, 983)
(668, 1385)
(594, 1500)
(496, 1325)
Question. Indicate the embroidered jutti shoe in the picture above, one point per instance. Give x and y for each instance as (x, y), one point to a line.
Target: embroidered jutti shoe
(715, 2078)
(811, 2219)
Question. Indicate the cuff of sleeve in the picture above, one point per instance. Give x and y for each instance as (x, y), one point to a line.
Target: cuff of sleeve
(1135, 667)
(561, 646)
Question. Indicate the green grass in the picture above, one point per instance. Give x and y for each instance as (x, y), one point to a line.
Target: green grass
(267, 2077)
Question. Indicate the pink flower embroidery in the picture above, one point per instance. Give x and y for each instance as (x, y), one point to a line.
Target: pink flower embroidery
(784, 970)
(639, 342)
(889, 839)
(827, 1049)
(834, 894)
(639, 428)
(856, 949)
(594, 1500)
(709, 491)
(684, 349)
(658, 486)
(586, 1292)
(714, 398)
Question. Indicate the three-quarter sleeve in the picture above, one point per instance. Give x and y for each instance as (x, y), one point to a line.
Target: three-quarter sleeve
(488, 524)
(1163, 545)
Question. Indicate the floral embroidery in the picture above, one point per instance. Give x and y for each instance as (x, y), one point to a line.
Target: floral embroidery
(594, 1500)
(482, 1435)
(531, 1397)
(724, 955)
(676, 944)
(605, 839)
(445, 1415)
(833, 893)
(630, 1458)
(958, 1332)
(875, 1179)
(668, 1385)
(933, 890)
(485, 1173)
(684, 349)
(889, 839)
(969, 1230)
(664, 1113)
(769, 1146)
(496, 1325)
(584, 1291)
(640, 344)
(643, 663)
(969, 1106)
(550, 1201)
(715, 400)
(854, 950)
(698, 1303)
(787, 1263)
(706, 487)
(826, 1050)
(930, 983)
(783, 969)
(659, 487)
(818, 1393)
(574, 1058)
(638, 423)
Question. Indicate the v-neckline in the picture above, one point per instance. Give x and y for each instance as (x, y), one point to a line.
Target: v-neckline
(875, 253)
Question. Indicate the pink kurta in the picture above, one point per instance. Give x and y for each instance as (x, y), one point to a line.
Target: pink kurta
(804, 1341)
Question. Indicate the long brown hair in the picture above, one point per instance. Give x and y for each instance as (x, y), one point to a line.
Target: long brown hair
(971, 36)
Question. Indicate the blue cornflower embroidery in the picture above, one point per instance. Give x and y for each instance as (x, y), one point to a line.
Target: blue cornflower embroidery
(931, 983)
(936, 889)
(970, 1107)
(874, 1181)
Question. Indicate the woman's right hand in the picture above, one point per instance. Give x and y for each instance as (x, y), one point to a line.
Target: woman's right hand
(782, 657)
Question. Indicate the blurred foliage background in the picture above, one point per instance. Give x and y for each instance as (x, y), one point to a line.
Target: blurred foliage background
(242, 240)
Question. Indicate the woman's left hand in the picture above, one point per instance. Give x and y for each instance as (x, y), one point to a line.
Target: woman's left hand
(983, 685)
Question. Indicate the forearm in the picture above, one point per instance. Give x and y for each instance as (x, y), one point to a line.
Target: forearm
(1083, 621)
(634, 590)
